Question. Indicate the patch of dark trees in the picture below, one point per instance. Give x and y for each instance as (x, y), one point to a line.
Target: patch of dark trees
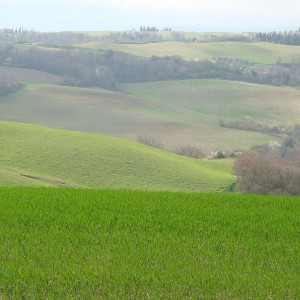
(148, 28)
(106, 69)
(286, 38)
(9, 85)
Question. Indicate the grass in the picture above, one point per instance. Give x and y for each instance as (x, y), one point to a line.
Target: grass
(89, 244)
(181, 118)
(260, 53)
(73, 159)
(11, 177)
(224, 99)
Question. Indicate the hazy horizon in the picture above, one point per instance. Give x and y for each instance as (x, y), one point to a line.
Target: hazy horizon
(190, 15)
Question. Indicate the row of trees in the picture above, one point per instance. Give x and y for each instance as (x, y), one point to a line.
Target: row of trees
(53, 38)
(144, 35)
(148, 28)
(153, 28)
(248, 124)
(287, 38)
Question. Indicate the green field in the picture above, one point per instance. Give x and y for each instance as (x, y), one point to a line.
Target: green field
(89, 244)
(223, 99)
(33, 155)
(260, 53)
(177, 113)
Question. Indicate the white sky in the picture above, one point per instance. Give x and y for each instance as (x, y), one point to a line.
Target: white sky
(200, 15)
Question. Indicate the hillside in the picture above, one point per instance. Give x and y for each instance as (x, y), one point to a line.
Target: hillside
(27, 75)
(185, 117)
(260, 53)
(62, 158)
(224, 99)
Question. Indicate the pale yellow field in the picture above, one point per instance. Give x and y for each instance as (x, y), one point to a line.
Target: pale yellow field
(260, 53)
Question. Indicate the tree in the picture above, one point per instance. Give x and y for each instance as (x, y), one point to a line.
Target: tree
(190, 151)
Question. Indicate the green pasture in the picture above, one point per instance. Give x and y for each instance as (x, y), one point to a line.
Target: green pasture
(72, 159)
(188, 117)
(259, 53)
(10, 177)
(223, 99)
(93, 244)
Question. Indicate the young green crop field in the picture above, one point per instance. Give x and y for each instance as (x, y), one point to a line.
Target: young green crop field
(259, 53)
(93, 244)
(189, 116)
(31, 155)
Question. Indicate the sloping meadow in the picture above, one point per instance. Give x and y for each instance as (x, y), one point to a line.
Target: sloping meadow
(74, 159)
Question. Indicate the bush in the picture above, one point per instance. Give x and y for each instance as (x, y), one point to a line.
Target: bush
(149, 141)
(190, 151)
(262, 174)
(216, 155)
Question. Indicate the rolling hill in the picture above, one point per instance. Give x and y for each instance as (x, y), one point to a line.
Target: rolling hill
(224, 99)
(32, 154)
(176, 113)
(260, 53)
(28, 75)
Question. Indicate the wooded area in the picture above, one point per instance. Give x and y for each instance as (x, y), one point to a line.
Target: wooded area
(108, 68)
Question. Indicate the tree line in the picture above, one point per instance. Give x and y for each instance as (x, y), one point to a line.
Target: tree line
(249, 124)
(22, 35)
(286, 38)
(143, 35)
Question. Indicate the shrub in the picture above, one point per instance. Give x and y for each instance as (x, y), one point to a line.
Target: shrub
(262, 174)
(190, 151)
(149, 141)
(216, 155)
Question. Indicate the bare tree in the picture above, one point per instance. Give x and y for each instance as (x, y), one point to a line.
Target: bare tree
(262, 174)
(149, 141)
(190, 151)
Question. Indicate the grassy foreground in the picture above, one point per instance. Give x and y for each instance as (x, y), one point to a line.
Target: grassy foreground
(93, 244)
(32, 155)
